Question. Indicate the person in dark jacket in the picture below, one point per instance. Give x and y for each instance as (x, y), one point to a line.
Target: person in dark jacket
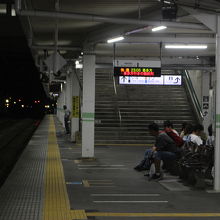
(164, 148)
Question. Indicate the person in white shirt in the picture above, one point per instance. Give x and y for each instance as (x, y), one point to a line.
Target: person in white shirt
(195, 135)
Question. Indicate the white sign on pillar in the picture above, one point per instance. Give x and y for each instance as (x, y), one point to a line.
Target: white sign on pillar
(88, 106)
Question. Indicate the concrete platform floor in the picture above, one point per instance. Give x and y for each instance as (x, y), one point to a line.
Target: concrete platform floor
(109, 188)
(51, 181)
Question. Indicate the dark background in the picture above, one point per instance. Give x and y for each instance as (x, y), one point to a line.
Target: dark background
(19, 77)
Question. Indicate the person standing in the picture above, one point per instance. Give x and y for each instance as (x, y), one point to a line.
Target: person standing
(67, 114)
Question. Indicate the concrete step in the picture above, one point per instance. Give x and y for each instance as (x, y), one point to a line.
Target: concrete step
(104, 108)
(123, 114)
(139, 106)
(140, 119)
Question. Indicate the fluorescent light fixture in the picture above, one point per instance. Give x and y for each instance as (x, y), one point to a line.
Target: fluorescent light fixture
(186, 46)
(159, 28)
(116, 39)
(167, 2)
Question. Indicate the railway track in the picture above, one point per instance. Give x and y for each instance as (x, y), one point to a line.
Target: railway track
(14, 136)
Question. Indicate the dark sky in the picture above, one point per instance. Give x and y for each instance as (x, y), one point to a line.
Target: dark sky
(19, 75)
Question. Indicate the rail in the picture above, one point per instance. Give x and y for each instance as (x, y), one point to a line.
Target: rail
(193, 96)
(116, 103)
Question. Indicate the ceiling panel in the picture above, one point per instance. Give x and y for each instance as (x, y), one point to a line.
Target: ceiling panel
(74, 32)
(106, 7)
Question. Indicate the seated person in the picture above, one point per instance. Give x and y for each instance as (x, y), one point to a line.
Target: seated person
(168, 126)
(164, 148)
(210, 139)
(187, 131)
(182, 133)
(146, 162)
(172, 133)
(194, 137)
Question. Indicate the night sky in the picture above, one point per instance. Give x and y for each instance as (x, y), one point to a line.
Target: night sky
(19, 75)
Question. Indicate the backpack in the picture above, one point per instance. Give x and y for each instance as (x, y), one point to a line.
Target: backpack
(176, 138)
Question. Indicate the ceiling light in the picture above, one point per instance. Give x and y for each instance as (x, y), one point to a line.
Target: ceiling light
(185, 46)
(159, 28)
(112, 40)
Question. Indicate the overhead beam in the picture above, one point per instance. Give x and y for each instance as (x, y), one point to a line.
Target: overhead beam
(168, 63)
(169, 67)
(48, 47)
(168, 39)
(207, 19)
(203, 5)
(102, 19)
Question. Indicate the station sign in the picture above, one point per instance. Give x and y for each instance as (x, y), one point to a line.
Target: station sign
(172, 79)
(162, 80)
(75, 107)
(137, 71)
(138, 68)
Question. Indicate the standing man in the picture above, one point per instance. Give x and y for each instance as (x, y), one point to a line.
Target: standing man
(67, 114)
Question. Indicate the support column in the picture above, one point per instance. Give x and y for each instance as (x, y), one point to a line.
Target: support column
(217, 129)
(60, 103)
(75, 106)
(88, 106)
(206, 108)
(69, 92)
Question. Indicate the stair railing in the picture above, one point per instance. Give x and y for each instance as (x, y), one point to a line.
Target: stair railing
(116, 103)
(193, 96)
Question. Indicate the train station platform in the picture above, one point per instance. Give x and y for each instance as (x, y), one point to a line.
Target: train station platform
(51, 181)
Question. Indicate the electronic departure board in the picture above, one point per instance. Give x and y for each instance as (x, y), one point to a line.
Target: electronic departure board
(137, 71)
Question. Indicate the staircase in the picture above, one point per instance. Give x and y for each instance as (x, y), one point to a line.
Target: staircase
(123, 118)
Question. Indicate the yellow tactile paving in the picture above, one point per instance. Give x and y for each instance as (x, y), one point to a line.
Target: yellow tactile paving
(56, 202)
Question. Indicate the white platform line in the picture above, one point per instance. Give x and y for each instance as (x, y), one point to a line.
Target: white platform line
(101, 186)
(125, 194)
(99, 183)
(102, 168)
(100, 180)
(97, 165)
(130, 201)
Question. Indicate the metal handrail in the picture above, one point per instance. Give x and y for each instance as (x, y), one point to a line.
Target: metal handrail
(193, 96)
(116, 105)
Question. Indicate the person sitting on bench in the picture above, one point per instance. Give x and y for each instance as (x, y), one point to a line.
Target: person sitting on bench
(164, 148)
